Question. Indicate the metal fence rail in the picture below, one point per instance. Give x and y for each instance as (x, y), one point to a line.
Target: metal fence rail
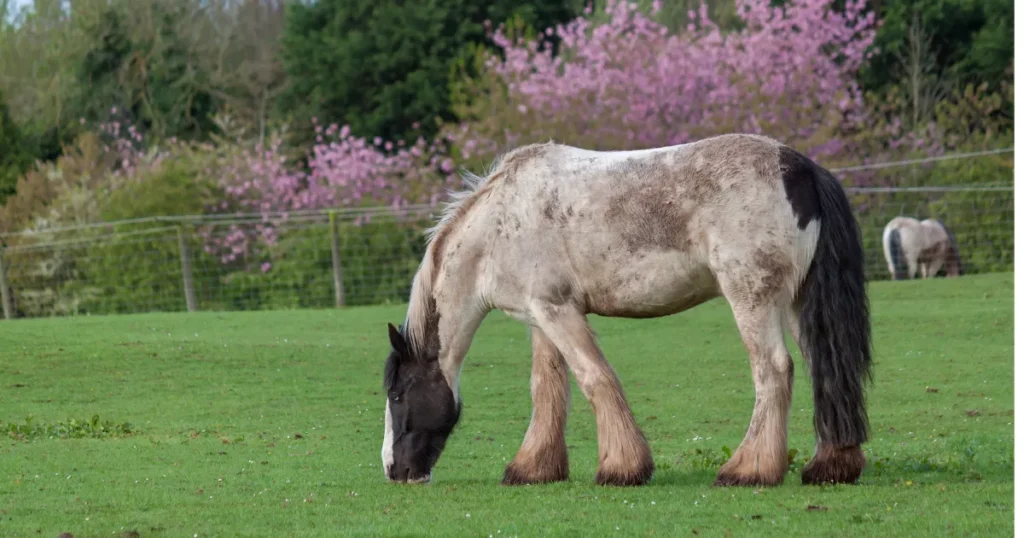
(325, 259)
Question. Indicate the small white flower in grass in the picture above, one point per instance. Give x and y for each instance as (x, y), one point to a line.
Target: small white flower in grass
(652, 502)
(467, 514)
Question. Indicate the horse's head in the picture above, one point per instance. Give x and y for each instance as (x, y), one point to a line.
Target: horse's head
(420, 414)
(954, 265)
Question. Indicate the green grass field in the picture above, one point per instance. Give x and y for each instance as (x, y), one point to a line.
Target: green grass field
(270, 424)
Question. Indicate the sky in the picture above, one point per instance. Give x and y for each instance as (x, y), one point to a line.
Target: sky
(15, 6)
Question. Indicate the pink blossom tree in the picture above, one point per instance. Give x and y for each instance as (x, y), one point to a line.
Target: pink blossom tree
(629, 82)
(342, 171)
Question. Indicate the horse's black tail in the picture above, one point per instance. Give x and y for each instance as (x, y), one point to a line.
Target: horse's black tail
(900, 270)
(954, 265)
(835, 329)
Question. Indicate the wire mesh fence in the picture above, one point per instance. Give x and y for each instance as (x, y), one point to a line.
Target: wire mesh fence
(324, 259)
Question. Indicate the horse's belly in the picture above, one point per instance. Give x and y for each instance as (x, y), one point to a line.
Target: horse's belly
(651, 285)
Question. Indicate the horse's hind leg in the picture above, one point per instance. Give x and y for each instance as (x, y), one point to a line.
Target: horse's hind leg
(543, 456)
(624, 458)
(762, 457)
(828, 460)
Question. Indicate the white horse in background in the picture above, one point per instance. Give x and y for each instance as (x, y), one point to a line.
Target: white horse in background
(911, 245)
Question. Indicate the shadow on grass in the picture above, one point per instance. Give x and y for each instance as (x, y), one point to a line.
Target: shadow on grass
(674, 477)
(886, 470)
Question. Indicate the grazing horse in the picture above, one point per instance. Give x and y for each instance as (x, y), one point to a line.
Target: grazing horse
(927, 245)
(554, 233)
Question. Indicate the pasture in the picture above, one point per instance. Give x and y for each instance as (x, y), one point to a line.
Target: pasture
(270, 424)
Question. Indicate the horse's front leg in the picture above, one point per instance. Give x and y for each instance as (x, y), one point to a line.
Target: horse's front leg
(624, 458)
(543, 456)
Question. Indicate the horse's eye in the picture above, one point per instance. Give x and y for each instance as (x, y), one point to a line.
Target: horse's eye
(394, 397)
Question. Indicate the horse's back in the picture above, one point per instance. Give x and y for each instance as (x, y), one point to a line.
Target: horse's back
(687, 198)
(899, 223)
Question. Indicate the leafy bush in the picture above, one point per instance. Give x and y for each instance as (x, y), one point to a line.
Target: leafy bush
(379, 259)
(137, 267)
(115, 269)
(43, 196)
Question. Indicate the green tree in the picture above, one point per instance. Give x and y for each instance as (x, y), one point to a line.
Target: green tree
(383, 65)
(99, 70)
(15, 157)
(967, 42)
(145, 63)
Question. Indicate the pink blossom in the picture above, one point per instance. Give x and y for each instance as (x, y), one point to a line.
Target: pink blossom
(630, 83)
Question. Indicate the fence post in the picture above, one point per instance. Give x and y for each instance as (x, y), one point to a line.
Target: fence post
(339, 284)
(5, 293)
(186, 270)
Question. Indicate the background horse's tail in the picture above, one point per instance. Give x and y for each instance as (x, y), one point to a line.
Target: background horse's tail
(894, 247)
(835, 327)
(954, 266)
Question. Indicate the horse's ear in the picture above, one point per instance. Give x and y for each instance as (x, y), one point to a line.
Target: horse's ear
(397, 340)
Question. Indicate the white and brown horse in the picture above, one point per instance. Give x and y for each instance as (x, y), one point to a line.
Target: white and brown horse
(912, 245)
(554, 233)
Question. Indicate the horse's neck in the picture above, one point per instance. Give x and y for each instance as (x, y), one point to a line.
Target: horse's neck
(442, 322)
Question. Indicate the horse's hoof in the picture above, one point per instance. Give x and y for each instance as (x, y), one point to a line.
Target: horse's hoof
(834, 466)
(636, 478)
(726, 479)
(518, 476)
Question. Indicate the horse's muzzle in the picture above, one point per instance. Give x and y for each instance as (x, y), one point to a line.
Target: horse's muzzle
(404, 476)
